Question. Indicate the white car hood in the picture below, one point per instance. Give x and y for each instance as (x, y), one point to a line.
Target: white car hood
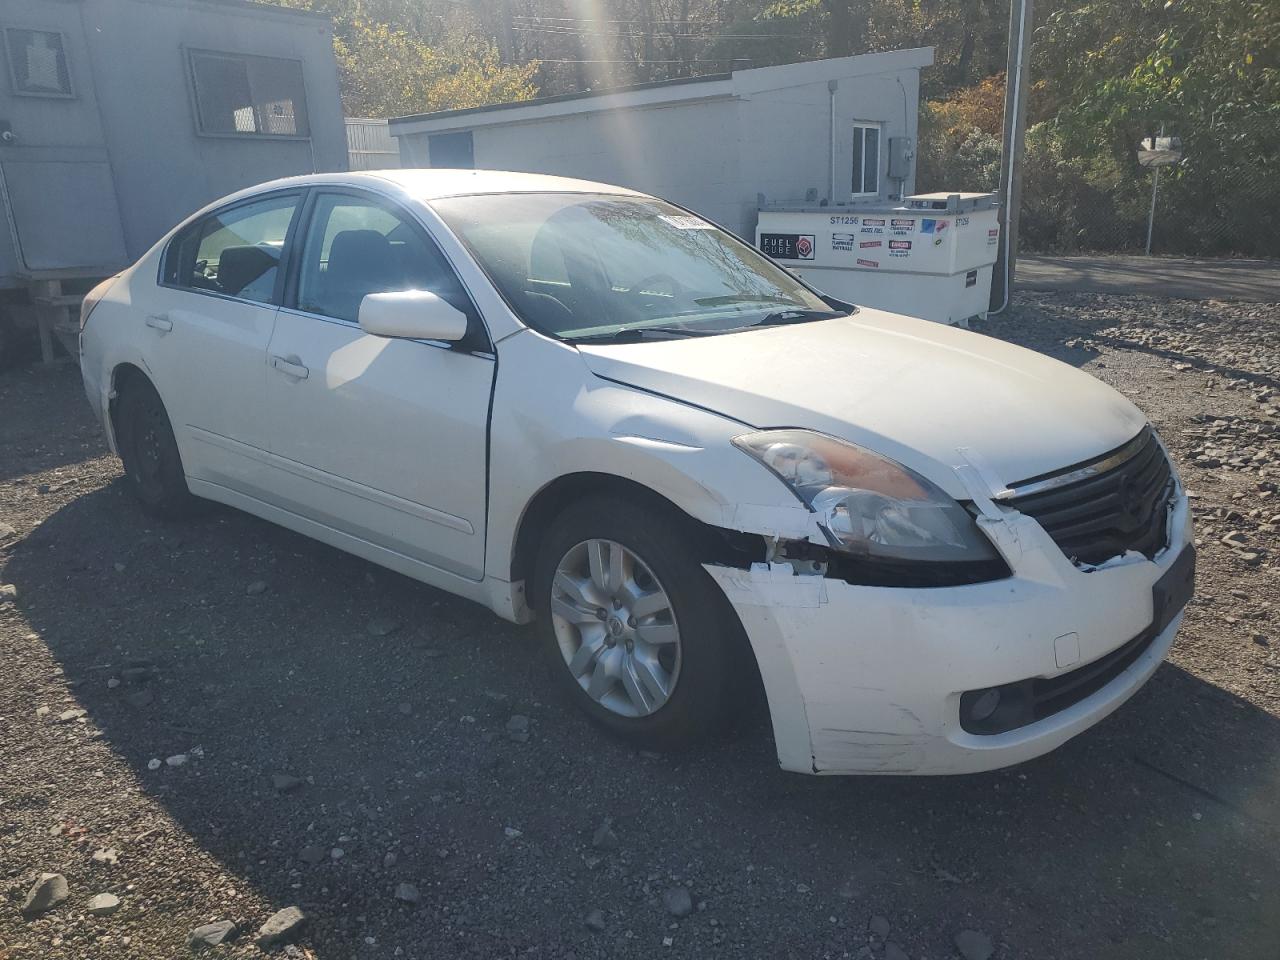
(910, 389)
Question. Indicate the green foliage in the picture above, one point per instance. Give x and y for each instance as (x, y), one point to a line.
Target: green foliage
(388, 72)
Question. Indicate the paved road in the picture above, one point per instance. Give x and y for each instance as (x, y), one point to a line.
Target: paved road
(1255, 281)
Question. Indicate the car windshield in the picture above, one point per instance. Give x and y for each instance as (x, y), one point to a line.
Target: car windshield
(594, 267)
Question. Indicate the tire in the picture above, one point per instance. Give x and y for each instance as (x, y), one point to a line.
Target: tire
(701, 661)
(152, 464)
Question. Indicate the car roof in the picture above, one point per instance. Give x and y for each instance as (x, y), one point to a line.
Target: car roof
(434, 184)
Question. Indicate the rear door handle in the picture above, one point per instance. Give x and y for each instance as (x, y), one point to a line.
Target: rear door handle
(290, 366)
(159, 321)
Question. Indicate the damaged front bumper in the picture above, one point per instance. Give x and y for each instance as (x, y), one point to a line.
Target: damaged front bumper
(868, 679)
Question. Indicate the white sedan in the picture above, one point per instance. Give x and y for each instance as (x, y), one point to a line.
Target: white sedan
(592, 409)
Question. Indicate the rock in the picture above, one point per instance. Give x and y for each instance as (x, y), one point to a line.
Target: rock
(337, 853)
(106, 858)
(7, 531)
(678, 902)
(894, 952)
(511, 832)
(604, 838)
(518, 728)
(47, 892)
(284, 783)
(282, 926)
(389, 860)
(177, 760)
(154, 763)
(256, 589)
(383, 626)
(42, 712)
(879, 926)
(67, 716)
(594, 920)
(405, 708)
(136, 674)
(311, 854)
(140, 699)
(974, 945)
(103, 905)
(407, 893)
(212, 935)
(113, 682)
(8, 592)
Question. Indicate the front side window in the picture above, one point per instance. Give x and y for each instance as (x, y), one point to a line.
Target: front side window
(235, 253)
(38, 63)
(356, 246)
(246, 95)
(584, 266)
(866, 160)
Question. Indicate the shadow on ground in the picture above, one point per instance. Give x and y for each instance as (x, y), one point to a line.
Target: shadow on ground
(1152, 835)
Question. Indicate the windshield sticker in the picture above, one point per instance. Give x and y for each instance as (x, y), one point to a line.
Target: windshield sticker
(788, 246)
(868, 263)
(842, 241)
(687, 223)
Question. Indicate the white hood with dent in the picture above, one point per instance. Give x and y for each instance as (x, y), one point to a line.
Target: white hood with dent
(909, 389)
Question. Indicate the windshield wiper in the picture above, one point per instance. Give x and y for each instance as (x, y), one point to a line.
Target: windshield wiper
(646, 333)
(740, 298)
(780, 317)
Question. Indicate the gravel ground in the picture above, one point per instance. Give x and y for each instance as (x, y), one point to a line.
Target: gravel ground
(219, 719)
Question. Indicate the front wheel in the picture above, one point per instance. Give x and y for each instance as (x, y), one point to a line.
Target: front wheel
(635, 631)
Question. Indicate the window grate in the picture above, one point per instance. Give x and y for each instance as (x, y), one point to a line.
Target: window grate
(242, 95)
(38, 63)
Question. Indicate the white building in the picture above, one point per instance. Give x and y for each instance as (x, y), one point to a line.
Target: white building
(836, 130)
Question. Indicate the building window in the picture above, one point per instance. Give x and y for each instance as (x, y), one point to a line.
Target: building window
(451, 150)
(866, 159)
(242, 95)
(38, 63)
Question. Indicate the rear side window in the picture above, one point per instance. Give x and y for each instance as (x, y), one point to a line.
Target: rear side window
(235, 253)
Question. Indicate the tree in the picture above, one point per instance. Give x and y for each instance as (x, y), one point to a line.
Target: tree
(388, 72)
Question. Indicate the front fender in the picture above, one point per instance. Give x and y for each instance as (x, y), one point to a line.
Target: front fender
(576, 422)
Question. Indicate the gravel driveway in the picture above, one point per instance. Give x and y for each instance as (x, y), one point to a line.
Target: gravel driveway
(216, 720)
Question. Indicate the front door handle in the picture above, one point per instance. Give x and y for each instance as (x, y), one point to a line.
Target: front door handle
(290, 366)
(159, 321)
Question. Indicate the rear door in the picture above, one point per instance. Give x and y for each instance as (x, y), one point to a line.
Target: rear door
(382, 439)
(55, 176)
(204, 332)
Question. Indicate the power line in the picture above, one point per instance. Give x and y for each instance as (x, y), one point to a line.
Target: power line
(572, 32)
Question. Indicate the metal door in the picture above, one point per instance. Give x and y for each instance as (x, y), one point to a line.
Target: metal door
(55, 175)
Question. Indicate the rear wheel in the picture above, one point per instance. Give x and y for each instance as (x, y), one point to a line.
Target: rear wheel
(634, 630)
(147, 446)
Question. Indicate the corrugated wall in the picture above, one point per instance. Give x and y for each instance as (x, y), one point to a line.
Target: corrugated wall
(370, 145)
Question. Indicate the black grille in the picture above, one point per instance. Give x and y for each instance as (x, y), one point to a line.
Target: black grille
(1121, 507)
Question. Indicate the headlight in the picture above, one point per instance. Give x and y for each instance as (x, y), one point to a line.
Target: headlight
(867, 504)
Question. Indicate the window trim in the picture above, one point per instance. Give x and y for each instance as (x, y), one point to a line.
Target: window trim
(193, 95)
(477, 341)
(865, 125)
(277, 293)
(13, 72)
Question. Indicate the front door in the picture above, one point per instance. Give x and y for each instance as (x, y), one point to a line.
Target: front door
(59, 196)
(382, 439)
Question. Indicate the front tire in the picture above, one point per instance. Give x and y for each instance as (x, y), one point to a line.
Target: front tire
(152, 463)
(635, 632)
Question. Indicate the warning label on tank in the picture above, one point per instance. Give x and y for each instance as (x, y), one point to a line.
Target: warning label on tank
(868, 263)
(842, 241)
(873, 221)
(899, 248)
(865, 244)
(902, 225)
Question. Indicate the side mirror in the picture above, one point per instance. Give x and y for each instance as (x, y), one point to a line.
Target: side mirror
(412, 315)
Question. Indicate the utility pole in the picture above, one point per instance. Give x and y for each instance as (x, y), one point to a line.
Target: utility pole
(1016, 83)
